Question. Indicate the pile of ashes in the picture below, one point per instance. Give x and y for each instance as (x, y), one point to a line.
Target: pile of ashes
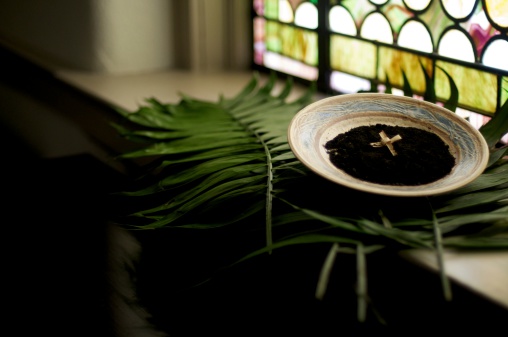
(422, 157)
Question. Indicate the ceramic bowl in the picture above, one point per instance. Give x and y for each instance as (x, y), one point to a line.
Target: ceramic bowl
(324, 119)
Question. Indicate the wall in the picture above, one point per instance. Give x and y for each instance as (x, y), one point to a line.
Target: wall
(129, 36)
(110, 37)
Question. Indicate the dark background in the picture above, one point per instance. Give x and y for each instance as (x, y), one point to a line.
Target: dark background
(69, 271)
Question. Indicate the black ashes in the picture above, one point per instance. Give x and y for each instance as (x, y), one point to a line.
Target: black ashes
(422, 156)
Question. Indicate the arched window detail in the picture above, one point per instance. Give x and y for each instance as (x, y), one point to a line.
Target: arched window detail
(414, 35)
(497, 13)
(306, 15)
(358, 9)
(341, 21)
(495, 54)
(456, 44)
(459, 9)
(397, 15)
(376, 27)
(351, 45)
(379, 2)
(480, 29)
(285, 12)
(417, 5)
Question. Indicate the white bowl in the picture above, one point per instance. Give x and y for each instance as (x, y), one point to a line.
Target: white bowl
(323, 120)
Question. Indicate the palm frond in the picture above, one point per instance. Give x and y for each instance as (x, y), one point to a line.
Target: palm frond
(496, 127)
(227, 164)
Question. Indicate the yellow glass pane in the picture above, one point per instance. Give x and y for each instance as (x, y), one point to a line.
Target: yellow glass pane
(287, 39)
(393, 61)
(353, 56)
(299, 44)
(477, 89)
(497, 10)
(459, 9)
(309, 47)
(504, 89)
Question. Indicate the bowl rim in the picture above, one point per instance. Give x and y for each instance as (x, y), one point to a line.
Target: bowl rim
(391, 190)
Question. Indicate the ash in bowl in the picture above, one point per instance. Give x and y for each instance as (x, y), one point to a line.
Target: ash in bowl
(405, 156)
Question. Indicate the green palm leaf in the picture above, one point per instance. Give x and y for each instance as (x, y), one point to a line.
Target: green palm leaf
(228, 165)
(496, 127)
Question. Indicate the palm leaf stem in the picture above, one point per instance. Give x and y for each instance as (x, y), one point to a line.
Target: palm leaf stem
(445, 283)
(324, 276)
(269, 198)
(361, 289)
(269, 181)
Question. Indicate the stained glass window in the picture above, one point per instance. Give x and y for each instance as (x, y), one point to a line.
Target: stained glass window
(352, 45)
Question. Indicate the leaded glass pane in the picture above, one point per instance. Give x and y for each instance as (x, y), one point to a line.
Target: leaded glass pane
(358, 9)
(379, 2)
(435, 20)
(306, 15)
(353, 56)
(372, 41)
(458, 9)
(285, 12)
(496, 54)
(397, 14)
(417, 5)
(377, 28)
(273, 36)
(497, 11)
(477, 88)
(341, 21)
(299, 44)
(455, 44)
(504, 89)
(393, 62)
(290, 66)
(259, 39)
(271, 10)
(348, 84)
(414, 35)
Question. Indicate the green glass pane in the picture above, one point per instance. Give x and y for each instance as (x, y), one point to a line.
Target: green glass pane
(396, 13)
(273, 41)
(352, 56)
(272, 9)
(436, 20)
(477, 89)
(393, 62)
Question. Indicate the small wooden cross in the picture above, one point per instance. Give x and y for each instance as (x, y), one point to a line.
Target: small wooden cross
(388, 142)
